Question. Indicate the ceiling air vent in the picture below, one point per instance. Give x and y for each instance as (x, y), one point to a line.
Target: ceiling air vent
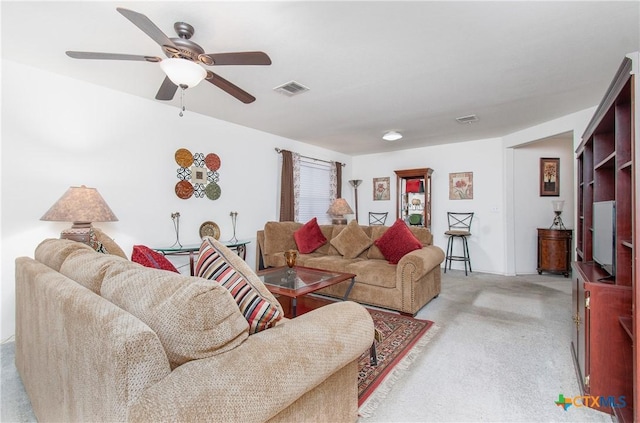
(467, 119)
(291, 88)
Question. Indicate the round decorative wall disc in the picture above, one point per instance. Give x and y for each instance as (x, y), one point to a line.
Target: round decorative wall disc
(212, 161)
(184, 157)
(213, 191)
(184, 189)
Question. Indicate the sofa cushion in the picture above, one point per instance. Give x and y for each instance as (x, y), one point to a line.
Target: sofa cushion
(216, 262)
(109, 244)
(95, 244)
(192, 317)
(374, 272)
(327, 231)
(423, 234)
(53, 252)
(88, 268)
(352, 241)
(376, 232)
(309, 237)
(397, 241)
(149, 258)
(278, 236)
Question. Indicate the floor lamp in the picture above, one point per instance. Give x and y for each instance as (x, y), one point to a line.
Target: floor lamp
(354, 183)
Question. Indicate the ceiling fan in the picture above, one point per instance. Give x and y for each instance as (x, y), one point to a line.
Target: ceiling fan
(183, 66)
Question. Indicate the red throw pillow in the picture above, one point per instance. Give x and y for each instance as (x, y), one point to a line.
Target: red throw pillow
(397, 241)
(149, 258)
(309, 237)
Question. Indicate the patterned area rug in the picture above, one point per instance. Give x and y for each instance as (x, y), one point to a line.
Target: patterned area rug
(403, 338)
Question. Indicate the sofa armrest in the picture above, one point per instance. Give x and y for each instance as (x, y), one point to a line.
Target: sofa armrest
(265, 374)
(420, 262)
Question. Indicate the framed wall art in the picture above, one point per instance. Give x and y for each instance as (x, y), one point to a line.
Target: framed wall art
(549, 177)
(461, 186)
(381, 189)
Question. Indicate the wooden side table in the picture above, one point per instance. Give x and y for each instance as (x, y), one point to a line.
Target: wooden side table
(554, 251)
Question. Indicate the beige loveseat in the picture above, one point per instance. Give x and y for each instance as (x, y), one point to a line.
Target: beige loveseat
(405, 287)
(85, 358)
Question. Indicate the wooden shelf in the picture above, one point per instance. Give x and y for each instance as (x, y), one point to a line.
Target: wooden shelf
(626, 166)
(608, 162)
(603, 348)
(627, 324)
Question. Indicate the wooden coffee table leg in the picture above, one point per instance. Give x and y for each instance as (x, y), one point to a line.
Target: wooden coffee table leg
(294, 307)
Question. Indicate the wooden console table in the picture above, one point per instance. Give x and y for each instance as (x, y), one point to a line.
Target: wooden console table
(554, 251)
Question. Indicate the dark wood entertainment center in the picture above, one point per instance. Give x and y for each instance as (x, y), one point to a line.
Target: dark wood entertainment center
(605, 325)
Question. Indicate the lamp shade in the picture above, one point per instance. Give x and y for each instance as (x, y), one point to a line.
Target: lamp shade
(355, 182)
(81, 205)
(339, 207)
(183, 72)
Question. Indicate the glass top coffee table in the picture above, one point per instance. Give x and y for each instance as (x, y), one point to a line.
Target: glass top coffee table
(298, 281)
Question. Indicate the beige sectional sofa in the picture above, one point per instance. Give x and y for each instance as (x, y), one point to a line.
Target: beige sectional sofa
(405, 287)
(99, 338)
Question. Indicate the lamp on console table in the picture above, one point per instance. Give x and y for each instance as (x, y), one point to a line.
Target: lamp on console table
(80, 205)
(338, 209)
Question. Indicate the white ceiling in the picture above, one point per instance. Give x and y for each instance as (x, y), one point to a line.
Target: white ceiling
(370, 66)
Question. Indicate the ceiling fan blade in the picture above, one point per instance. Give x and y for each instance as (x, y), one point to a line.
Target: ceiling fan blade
(230, 88)
(240, 58)
(147, 26)
(111, 56)
(167, 90)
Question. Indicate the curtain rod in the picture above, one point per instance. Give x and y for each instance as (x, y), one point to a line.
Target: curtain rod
(279, 150)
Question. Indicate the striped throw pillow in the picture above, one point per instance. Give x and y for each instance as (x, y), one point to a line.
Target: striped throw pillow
(216, 262)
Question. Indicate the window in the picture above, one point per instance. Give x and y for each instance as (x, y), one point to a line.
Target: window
(315, 191)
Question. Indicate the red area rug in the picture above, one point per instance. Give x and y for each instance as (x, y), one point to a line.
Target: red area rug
(403, 338)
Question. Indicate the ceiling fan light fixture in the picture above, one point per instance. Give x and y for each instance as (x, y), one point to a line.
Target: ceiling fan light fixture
(183, 72)
(392, 136)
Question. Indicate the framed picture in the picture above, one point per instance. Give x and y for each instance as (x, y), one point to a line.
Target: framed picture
(381, 189)
(461, 186)
(549, 177)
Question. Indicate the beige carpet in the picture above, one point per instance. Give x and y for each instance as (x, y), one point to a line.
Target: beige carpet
(501, 354)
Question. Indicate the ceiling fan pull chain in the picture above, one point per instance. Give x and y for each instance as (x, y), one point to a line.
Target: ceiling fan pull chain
(182, 109)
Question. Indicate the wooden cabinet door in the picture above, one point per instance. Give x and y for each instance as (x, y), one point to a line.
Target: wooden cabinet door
(578, 320)
(608, 356)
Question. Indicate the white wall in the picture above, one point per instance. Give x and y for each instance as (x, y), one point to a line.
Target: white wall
(58, 132)
(520, 211)
(482, 157)
(533, 211)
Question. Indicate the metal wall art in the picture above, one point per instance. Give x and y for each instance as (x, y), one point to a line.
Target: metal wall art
(198, 175)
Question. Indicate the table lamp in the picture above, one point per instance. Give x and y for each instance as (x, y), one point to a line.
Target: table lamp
(338, 209)
(80, 205)
(558, 205)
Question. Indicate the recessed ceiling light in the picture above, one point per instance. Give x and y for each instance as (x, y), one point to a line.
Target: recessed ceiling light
(392, 136)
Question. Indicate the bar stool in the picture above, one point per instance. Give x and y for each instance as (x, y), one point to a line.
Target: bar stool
(459, 227)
